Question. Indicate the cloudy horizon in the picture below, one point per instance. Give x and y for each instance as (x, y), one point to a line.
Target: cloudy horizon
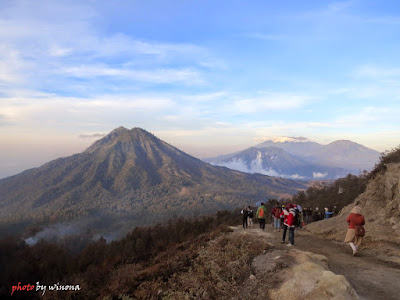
(209, 78)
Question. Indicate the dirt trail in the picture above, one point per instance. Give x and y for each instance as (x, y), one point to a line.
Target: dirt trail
(372, 278)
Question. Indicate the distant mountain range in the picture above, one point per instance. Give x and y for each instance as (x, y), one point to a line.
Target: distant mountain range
(131, 174)
(300, 158)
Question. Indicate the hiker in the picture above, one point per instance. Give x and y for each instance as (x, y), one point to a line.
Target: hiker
(298, 216)
(335, 211)
(277, 218)
(301, 218)
(316, 216)
(273, 216)
(355, 219)
(250, 216)
(328, 213)
(308, 215)
(262, 215)
(290, 223)
(284, 215)
(245, 214)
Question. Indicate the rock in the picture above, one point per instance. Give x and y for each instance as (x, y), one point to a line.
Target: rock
(320, 283)
(252, 277)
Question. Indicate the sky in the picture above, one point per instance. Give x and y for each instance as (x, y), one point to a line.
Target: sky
(209, 77)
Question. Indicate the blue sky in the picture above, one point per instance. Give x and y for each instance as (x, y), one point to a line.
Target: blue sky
(210, 77)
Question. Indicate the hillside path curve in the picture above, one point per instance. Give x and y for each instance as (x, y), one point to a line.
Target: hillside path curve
(371, 278)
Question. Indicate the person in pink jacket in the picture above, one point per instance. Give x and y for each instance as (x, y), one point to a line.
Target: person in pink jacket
(354, 219)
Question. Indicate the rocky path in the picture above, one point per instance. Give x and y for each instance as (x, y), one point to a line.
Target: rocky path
(372, 278)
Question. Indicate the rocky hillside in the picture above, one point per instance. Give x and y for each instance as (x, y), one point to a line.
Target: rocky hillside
(380, 204)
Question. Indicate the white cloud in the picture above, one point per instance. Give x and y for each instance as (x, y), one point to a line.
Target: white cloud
(57, 45)
(59, 51)
(92, 136)
(270, 101)
(186, 76)
(12, 65)
(375, 72)
(339, 6)
(318, 175)
(267, 37)
(296, 176)
(370, 116)
(204, 97)
(120, 44)
(70, 112)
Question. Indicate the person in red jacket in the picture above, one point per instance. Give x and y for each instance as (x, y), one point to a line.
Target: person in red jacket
(290, 223)
(354, 219)
(283, 217)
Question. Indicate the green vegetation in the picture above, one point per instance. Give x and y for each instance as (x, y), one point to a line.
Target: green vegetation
(340, 193)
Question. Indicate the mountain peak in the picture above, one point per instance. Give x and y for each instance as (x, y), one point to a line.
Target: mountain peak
(119, 129)
(123, 135)
(348, 146)
(344, 143)
(139, 130)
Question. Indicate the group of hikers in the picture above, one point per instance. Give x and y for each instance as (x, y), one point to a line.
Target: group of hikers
(316, 215)
(293, 216)
(287, 217)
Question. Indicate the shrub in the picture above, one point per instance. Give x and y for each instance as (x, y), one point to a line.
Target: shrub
(391, 156)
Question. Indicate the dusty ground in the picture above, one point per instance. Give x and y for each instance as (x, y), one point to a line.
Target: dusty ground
(371, 276)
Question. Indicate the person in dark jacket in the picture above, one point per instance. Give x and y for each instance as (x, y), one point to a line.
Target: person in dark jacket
(245, 214)
(250, 216)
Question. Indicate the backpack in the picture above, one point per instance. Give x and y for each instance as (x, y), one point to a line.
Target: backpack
(360, 231)
(250, 214)
(278, 212)
(297, 218)
(261, 212)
